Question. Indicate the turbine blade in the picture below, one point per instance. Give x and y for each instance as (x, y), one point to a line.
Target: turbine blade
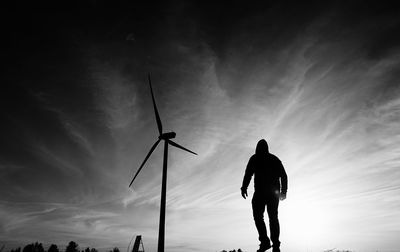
(180, 147)
(147, 157)
(159, 125)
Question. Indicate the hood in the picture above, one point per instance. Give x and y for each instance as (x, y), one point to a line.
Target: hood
(262, 147)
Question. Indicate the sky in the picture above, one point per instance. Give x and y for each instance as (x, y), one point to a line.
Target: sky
(319, 81)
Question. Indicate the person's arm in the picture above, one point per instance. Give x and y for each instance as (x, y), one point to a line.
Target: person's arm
(247, 177)
(284, 183)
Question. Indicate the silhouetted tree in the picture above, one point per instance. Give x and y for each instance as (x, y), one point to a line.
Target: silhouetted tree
(72, 247)
(39, 247)
(53, 248)
(239, 250)
(28, 248)
(115, 249)
(33, 247)
(93, 250)
(16, 250)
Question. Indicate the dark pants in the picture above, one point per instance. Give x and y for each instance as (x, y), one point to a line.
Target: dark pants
(271, 200)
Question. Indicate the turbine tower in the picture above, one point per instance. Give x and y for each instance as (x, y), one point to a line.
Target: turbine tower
(167, 140)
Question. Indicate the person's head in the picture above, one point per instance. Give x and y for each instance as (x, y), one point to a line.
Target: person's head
(262, 147)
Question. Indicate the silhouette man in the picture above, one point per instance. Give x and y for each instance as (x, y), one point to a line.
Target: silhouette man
(270, 186)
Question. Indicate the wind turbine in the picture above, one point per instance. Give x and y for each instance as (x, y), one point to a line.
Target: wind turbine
(167, 140)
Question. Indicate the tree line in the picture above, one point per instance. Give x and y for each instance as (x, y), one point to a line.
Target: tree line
(71, 247)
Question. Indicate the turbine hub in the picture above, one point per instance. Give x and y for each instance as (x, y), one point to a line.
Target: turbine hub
(167, 136)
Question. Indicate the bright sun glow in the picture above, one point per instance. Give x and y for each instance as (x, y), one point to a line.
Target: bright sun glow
(305, 222)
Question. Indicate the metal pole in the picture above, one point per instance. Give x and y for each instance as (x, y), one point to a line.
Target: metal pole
(161, 233)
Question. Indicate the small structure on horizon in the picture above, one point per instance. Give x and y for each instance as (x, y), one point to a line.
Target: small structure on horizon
(136, 245)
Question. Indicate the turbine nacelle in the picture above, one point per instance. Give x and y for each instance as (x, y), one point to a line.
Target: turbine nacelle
(166, 136)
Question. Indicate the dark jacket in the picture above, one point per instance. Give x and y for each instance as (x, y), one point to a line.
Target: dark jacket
(269, 173)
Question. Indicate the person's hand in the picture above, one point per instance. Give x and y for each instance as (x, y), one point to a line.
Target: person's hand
(244, 193)
(282, 196)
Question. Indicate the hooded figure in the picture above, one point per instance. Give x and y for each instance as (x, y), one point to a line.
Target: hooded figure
(270, 185)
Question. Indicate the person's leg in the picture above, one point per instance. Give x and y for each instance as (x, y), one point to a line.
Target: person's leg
(272, 210)
(258, 204)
